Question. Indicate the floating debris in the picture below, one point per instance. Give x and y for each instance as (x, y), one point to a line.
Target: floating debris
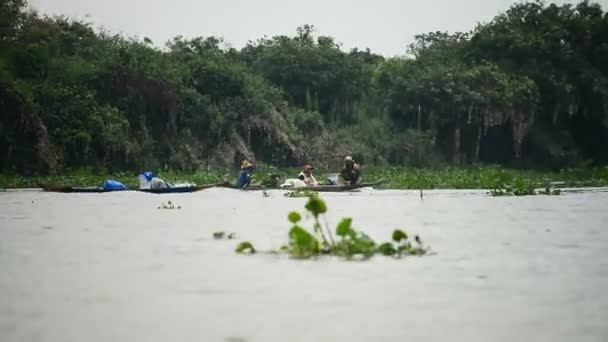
(301, 193)
(222, 235)
(169, 205)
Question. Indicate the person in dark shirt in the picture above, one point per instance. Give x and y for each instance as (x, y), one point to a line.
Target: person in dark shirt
(350, 173)
(245, 175)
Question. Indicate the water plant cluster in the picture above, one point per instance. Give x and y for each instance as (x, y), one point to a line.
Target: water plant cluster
(170, 205)
(222, 235)
(483, 177)
(301, 193)
(521, 187)
(348, 243)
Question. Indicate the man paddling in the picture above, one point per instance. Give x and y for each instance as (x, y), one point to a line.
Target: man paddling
(350, 172)
(149, 180)
(245, 176)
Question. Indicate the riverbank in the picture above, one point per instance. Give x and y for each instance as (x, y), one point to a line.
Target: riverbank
(394, 177)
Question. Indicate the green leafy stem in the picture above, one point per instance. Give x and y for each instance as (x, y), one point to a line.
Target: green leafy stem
(350, 243)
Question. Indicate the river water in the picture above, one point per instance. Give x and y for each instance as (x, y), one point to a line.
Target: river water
(113, 267)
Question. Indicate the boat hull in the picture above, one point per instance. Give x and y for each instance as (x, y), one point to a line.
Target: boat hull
(318, 188)
(96, 189)
(187, 189)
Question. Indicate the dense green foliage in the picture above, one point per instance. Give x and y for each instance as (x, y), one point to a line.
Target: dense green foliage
(529, 88)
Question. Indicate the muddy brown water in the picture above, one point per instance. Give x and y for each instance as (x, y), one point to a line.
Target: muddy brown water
(113, 267)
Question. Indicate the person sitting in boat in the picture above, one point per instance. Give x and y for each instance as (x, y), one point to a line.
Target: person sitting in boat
(350, 173)
(307, 177)
(148, 180)
(245, 175)
(158, 183)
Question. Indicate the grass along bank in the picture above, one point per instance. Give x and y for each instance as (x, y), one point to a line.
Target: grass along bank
(394, 177)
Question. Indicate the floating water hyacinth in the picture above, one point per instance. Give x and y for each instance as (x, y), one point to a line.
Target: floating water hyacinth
(169, 205)
(301, 193)
(350, 244)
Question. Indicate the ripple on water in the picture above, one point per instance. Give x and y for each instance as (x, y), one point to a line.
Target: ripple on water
(568, 246)
(235, 339)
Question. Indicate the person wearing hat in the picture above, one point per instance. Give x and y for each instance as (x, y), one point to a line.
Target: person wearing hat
(350, 172)
(245, 175)
(307, 177)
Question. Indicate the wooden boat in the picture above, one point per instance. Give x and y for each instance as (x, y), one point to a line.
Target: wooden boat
(339, 188)
(318, 188)
(178, 189)
(186, 189)
(97, 189)
(75, 189)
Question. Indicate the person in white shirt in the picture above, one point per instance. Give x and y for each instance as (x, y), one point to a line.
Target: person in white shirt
(307, 177)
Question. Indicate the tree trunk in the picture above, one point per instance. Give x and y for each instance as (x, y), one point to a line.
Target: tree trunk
(456, 157)
(419, 115)
(477, 143)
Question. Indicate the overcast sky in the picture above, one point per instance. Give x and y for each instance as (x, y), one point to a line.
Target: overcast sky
(385, 26)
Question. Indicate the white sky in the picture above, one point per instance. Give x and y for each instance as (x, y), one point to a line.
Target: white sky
(385, 26)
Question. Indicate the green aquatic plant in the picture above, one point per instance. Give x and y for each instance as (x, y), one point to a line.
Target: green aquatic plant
(169, 205)
(550, 192)
(220, 235)
(294, 217)
(521, 187)
(316, 206)
(401, 246)
(301, 193)
(271, 180)
(387, 249)
(302, 243)
(245, 247)
(351, 243)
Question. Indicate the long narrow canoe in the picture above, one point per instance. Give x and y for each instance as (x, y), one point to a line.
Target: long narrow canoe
(186, 189)
(178, 189)
(339, 188)
(97, 189)
(318, 188)
(73, 189)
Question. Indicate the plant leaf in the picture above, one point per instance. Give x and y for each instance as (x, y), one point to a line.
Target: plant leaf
(303, 244)
(399, 235)
(316, 206)
(294, 217)
(344, 227)
(245, 247)
(387, 249)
